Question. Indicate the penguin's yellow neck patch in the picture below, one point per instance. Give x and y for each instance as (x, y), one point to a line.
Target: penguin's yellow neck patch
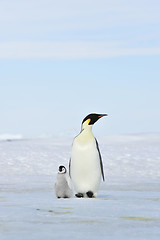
(88, 120)
(86, 125)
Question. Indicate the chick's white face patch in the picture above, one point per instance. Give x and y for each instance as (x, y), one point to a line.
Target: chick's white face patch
(63, 170)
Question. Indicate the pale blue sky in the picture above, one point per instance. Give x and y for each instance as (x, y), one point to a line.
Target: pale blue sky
(62, 60)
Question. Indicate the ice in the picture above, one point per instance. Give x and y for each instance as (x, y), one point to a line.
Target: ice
(128, 202)
(9, 137)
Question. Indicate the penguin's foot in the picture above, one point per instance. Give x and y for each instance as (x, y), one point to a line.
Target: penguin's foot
(90, 194)
(65, 196)
(79, 195)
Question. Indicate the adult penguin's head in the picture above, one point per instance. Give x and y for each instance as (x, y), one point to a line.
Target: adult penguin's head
(90, 119)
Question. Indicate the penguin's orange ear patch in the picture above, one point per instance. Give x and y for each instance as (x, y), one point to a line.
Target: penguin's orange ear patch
(88, 120)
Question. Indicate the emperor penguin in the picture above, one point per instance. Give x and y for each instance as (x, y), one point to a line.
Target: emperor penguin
(62, 185)
(85, 166)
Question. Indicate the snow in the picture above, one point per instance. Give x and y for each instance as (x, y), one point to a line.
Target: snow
(128, 202)
(9, 137)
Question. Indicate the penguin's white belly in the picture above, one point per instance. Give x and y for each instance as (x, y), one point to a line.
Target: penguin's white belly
(85, 166)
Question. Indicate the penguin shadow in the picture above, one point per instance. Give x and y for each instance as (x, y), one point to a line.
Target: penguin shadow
(99, 197)
(104, 197)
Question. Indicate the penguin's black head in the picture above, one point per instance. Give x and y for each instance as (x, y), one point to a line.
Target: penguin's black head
(62, 169)
(92, 118)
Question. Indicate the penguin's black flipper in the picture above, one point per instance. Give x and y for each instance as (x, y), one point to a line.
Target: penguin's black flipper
(100, 158)
(70, 167)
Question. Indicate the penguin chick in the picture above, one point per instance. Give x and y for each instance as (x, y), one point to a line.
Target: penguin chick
(86, 167)
(62, 185)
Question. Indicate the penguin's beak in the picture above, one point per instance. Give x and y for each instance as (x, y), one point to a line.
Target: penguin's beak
(102, 115)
